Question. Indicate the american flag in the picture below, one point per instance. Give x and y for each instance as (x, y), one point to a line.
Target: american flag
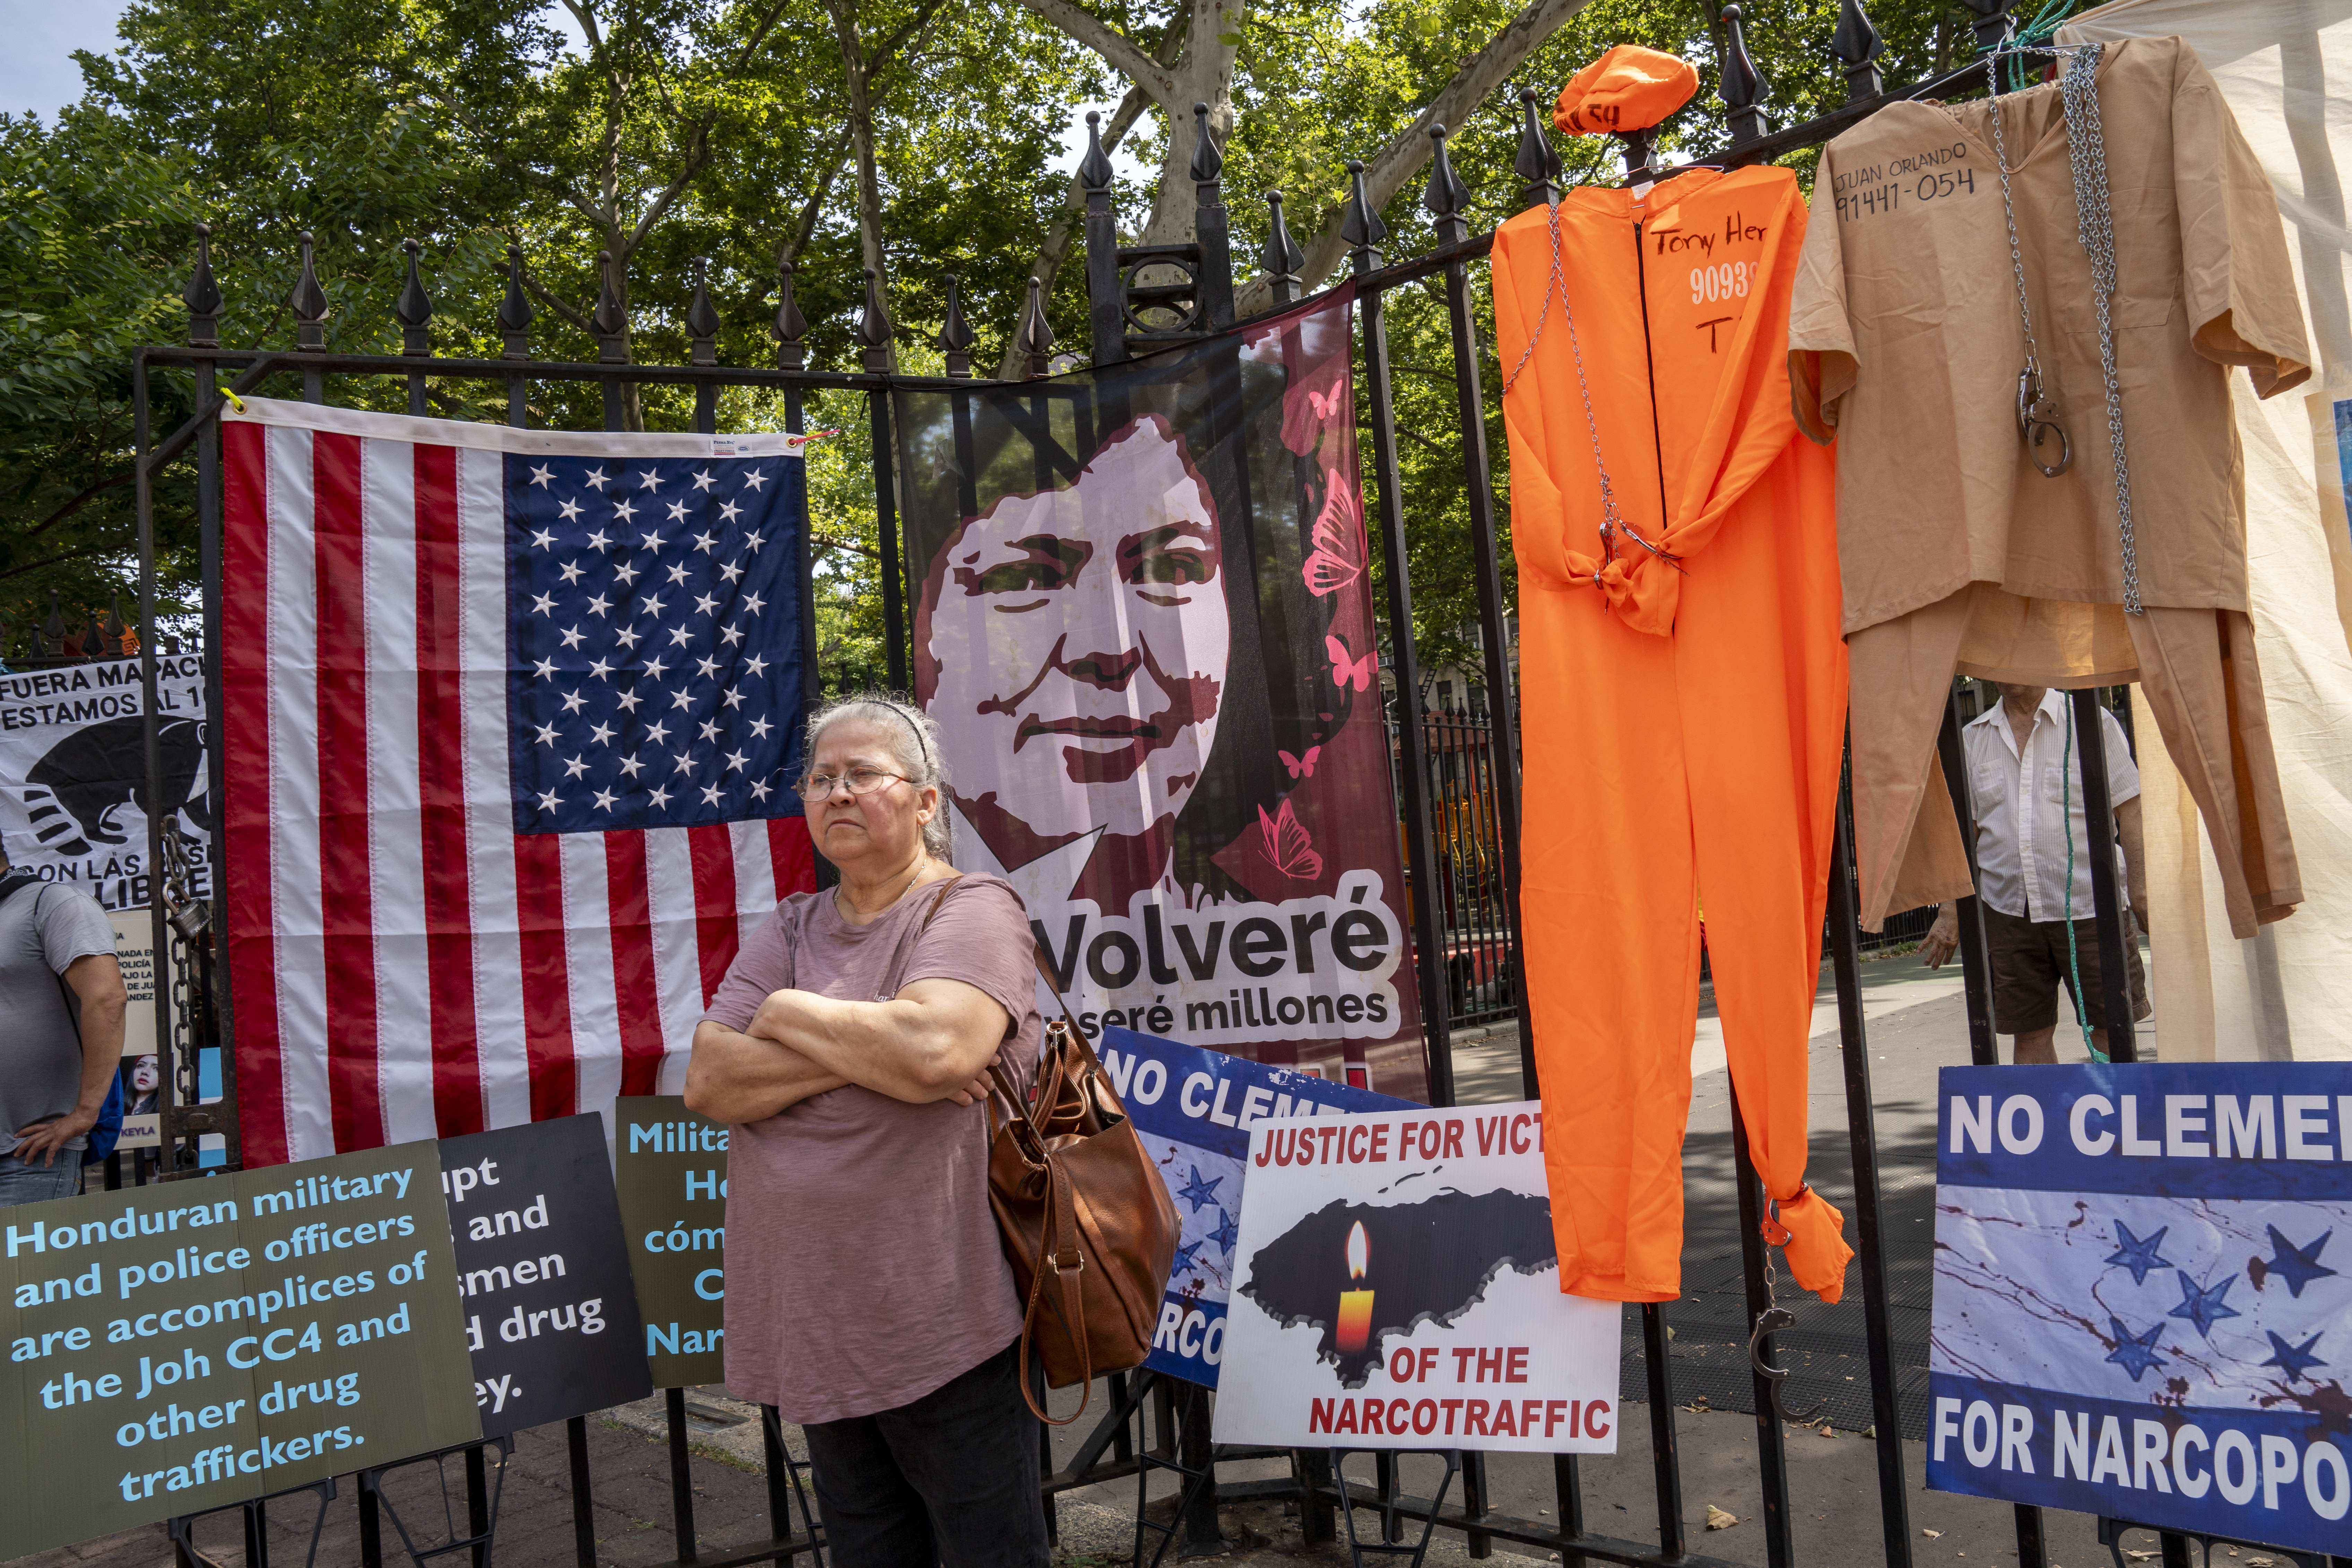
(508, 719)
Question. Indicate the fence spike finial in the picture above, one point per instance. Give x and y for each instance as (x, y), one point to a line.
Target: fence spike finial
(514, 310)
(202, 295)
(1994, 25)
(1445, 195)
(1857, 46)
(115, 629)
(1034, 338)
(308, 302)
(1744, 88)
(1208, 158)
(1095, 172)
(1538, 163)
(874, 324)
(790, 328)
(1282, 259)
(612, 319)
(702, 319)
(955, 333)
(1359, 225)
(415, 307)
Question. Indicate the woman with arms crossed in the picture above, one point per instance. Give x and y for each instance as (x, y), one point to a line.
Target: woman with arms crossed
(868, 1297)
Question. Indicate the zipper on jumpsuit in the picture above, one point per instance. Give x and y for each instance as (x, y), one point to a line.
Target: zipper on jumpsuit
(1650, 363)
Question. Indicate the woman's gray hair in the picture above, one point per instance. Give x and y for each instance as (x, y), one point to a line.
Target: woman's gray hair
(913, 738)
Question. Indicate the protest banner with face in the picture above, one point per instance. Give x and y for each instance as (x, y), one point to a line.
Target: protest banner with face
(1144, 626)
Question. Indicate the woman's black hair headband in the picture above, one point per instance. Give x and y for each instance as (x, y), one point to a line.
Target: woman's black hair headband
(922, 747)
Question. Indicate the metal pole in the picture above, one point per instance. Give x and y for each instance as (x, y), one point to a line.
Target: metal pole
(1568, 1487)
(796, 423)
(478, 1504)
(780, 1478)
(1412, 732)
(151, 754)
(885, 524)
(1665, 1465)
(1195, 1453)
(1976, 982)
(1502, 700)
(1976, 970)
(2106, 896)
(1886, 1420)
(1772, 1441)
(681, 1477)
(583, 1503)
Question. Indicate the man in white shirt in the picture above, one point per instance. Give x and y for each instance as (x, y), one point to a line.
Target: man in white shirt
(2025, 783)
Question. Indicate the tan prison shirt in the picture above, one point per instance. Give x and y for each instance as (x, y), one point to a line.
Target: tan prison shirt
(1905, 337)
(1956, 550)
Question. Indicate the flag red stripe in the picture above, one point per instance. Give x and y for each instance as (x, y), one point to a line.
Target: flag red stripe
(350, 938)
(792, 855)
(716, 935)
(546, 986)
(441, 764)
(245, 815)
(630, 909)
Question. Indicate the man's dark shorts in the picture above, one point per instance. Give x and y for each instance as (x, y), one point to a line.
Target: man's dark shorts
(2028, 966)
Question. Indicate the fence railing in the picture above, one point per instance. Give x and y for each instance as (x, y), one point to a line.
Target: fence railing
(1457, 776)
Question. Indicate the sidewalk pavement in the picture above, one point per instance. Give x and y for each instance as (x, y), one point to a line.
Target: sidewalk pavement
(1915, 1024)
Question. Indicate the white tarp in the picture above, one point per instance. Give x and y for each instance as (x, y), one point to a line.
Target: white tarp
(2287, 992)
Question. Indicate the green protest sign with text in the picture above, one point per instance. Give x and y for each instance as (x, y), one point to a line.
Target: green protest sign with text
(179, 1347)
(669, 1169)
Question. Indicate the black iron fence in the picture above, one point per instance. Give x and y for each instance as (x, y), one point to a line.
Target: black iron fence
(1458, 778)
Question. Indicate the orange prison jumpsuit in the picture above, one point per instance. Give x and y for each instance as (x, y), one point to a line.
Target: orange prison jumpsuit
(1683, 728)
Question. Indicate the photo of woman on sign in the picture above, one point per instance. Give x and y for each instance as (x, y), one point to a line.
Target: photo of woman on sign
(1142, 623)
(1074, 646)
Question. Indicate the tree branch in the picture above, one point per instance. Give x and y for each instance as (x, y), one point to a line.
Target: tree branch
(63, 555)
(1120, 52)
(539, 293)
(1408, 150)
(1057, 249)
(76, 504)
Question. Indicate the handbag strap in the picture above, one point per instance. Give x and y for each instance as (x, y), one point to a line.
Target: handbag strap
(1060, 1234)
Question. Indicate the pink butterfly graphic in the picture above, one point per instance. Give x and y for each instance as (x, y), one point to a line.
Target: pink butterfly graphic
(1325, 407)
(1346, 671)
(1337, 559)
(1300, 767)
(1288, 847)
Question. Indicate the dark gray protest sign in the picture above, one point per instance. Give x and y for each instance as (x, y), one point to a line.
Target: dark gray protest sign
(551, 1316)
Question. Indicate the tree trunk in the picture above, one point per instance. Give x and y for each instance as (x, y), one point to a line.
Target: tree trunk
(1205, 75)
(856, 72)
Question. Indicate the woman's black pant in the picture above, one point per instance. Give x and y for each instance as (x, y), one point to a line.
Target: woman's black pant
(949, 1478)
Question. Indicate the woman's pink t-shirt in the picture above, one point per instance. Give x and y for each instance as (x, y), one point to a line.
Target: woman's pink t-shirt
(863, 1265)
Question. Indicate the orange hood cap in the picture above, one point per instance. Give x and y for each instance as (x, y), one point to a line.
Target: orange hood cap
(1628, 88)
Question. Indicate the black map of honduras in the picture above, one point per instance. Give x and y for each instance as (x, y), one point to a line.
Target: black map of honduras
(1427, 1261)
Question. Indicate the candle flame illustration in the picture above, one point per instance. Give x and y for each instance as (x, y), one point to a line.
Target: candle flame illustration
(1359, 1251)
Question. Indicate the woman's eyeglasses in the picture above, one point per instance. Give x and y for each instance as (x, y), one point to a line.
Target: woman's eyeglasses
(861, 780)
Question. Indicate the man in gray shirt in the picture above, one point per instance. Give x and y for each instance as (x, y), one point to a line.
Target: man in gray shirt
(56, 961)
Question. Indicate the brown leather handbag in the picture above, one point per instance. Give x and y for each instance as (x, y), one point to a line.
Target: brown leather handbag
(1086, 1218)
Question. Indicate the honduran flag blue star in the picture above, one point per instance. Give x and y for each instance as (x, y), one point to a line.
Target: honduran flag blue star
(2203, 1307)
(1227, 1232)
(2292, 1360)
(2139, 1255)
(1200, 1191)
(2135, 1352)
(2298, 1265)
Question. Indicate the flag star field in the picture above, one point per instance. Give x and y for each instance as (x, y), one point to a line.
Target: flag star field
(649, 600)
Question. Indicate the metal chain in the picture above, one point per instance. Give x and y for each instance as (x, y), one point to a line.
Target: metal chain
(1612, 521)
(2036, 411)
(2094, 228)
